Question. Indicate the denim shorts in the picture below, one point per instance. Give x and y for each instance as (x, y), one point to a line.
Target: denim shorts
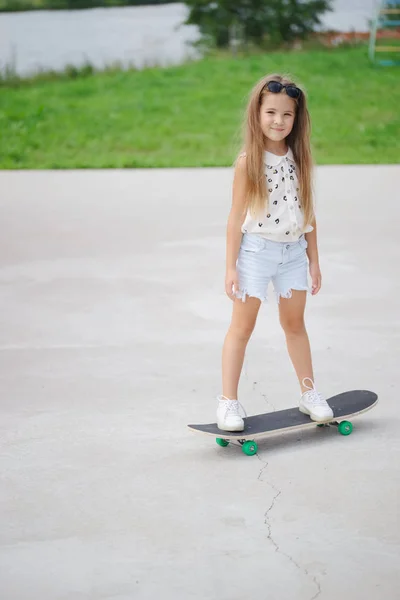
(261, 260)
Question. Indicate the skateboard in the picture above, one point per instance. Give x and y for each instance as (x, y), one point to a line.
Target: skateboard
(344, 406)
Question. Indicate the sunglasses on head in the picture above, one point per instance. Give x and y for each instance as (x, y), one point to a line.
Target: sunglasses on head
(275, 87)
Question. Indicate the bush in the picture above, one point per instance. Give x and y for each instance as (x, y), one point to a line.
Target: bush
(223, 22)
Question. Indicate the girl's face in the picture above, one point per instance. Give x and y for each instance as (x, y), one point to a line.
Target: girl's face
(277, 114)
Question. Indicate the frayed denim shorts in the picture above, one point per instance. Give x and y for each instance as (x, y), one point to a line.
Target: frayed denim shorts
(261, 260)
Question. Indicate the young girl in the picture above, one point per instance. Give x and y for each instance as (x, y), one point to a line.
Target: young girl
(270, 233)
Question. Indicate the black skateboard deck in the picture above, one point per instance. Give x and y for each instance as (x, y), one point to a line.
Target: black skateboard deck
(345, 405)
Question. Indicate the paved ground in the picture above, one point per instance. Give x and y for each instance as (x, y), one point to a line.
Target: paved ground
(112, 318)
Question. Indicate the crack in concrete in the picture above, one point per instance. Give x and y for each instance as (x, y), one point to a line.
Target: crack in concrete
(275, 498)
(255, 383)
(268, 402)
(267, 522)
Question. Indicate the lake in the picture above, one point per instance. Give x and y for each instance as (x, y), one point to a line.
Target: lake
(140, 36)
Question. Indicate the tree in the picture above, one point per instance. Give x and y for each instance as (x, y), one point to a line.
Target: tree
(255, 20)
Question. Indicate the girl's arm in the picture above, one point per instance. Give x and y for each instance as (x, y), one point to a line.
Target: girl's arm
(233, 231)
(313, 259)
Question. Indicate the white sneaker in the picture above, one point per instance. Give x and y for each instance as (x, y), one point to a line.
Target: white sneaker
(228, 414)
(313, 404)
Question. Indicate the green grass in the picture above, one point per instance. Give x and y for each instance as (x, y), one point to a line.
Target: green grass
(23, 5)
(190, 115)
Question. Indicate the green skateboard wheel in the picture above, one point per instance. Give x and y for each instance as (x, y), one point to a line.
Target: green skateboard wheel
(222, 442)
(345, 427)
(250, 448)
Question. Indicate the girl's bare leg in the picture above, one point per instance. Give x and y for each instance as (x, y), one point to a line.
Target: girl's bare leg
(291, 315)
(244, 316)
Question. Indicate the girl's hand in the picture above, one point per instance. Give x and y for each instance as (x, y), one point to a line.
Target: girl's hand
(316, 278)
(231, 283)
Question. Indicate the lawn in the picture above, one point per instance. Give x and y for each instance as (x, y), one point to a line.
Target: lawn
(191, 115)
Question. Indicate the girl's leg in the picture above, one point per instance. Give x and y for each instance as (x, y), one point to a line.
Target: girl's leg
(244, 316)
(291, 315)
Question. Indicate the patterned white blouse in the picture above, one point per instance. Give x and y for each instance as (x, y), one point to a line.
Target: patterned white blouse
(284, 219)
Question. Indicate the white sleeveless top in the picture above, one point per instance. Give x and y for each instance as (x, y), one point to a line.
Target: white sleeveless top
(284, 219)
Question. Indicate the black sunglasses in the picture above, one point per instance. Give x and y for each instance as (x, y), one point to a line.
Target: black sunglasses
(275, 87)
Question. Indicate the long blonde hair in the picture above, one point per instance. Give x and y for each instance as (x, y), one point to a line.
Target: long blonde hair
(298, 140)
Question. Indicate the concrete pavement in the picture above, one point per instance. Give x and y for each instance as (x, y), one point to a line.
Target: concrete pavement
(112, 318)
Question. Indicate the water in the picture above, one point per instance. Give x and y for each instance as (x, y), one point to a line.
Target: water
(143, 35)
(139, 36)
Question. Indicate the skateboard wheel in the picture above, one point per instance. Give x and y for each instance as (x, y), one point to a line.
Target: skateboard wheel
(250, 448)
(345, 427)
(321, 425)
(222, 442)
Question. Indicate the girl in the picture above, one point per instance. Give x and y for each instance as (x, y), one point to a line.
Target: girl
(270, 233)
